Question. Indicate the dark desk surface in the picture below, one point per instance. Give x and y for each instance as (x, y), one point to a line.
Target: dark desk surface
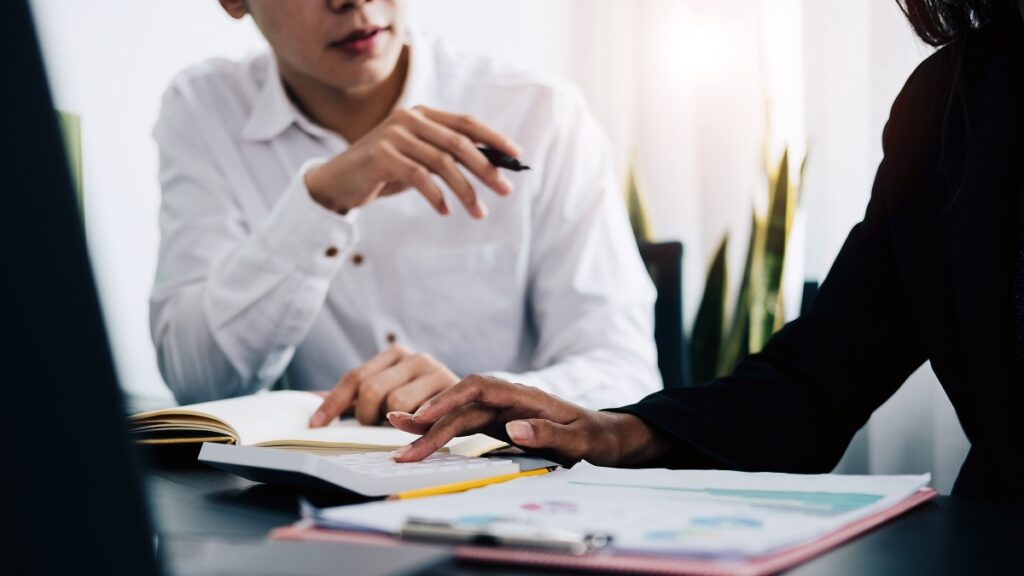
(947, 536)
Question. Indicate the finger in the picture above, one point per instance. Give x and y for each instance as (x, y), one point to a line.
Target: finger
(463, 149)
(464, 421)
(442, 163)
(375, 389)
(340, 398)
(382, 361)
(335, 403)
(404, 422)
(497, 394)
(405, 170)
(409, 397)
(474, 129)
(465, 392)
(568, 443)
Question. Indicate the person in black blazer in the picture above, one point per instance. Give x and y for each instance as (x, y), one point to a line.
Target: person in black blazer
(934, 272)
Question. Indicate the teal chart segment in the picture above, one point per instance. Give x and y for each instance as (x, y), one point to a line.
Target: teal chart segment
(815, 503)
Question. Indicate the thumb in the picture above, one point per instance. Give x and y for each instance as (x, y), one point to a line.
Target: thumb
(566, 442)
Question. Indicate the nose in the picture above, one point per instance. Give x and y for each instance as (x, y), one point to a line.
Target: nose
(345, 6)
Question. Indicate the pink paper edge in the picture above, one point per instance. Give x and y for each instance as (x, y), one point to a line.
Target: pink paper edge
(653, 565)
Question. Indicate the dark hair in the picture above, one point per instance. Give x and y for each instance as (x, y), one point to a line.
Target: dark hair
(940, 22)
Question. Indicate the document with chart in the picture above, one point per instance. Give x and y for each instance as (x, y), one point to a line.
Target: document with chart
(709, 514)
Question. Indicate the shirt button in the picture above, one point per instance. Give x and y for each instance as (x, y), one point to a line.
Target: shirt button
(391, 338)
(331, 252)
(357, 259)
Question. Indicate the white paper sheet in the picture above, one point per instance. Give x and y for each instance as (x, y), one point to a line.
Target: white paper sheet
(694, 513)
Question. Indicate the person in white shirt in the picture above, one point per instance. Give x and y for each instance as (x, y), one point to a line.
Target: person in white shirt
(326, 211)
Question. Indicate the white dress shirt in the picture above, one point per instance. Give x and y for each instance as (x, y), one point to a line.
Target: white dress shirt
(256, 278)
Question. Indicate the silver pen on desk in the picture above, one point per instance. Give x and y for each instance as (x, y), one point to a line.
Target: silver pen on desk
(505, 534)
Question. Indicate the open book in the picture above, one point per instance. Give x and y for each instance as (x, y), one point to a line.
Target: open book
(279, 420)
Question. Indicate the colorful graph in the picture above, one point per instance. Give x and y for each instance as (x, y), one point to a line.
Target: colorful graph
(815, 503)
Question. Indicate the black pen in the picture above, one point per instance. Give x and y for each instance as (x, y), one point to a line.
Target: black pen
(502, 160)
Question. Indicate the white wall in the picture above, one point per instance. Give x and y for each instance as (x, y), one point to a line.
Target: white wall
(109, 62)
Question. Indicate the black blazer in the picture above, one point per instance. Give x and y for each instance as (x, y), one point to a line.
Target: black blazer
(927, 275)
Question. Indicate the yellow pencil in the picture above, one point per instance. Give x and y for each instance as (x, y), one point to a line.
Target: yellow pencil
(467, 485)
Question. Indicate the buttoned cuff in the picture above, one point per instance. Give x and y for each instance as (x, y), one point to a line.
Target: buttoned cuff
(300, 230)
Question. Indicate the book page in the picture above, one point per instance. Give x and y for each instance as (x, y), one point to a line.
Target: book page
(346, 431)
(281, 418)
(255, 418)
(350, 433)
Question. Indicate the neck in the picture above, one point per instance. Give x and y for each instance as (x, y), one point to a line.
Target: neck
(351, 113)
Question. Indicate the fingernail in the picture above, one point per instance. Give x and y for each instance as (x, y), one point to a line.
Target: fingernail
(419, 411)
(506, 183)
(400, 452)
(519, 431)
(483, 209)
(398, 414)
(444, 208)
(317, 420)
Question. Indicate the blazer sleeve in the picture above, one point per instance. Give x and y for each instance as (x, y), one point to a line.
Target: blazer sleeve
(795, 406)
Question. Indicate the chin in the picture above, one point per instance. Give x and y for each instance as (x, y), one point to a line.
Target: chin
(365, 72)
(359, 78)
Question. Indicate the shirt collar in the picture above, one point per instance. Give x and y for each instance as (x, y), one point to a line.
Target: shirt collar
(421, 79)
(273, 111)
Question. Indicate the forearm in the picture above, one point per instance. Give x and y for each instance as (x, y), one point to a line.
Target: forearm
(192, 363)
(231, 328)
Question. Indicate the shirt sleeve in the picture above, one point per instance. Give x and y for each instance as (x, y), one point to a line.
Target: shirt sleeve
(592, 300)
(233, 298)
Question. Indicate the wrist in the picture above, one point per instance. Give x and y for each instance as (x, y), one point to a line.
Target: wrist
(316, 183)
(636, 443)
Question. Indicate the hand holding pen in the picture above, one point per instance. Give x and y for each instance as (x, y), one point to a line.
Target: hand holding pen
(406, 150)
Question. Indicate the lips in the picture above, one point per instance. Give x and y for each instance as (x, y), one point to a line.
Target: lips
(360, 42)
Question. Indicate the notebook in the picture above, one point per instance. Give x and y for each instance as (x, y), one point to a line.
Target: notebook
(279, 419)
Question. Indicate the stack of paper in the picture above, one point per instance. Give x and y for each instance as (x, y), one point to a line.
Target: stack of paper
(713, 515)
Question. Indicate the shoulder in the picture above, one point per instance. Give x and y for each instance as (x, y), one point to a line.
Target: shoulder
(218, 86)
(929, 125)
(922, 101)
(951, 73)
(506, 85)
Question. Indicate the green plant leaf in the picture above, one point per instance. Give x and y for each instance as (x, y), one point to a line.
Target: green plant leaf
(636, 205)
(776, 234)
(706, 340)
(736, 344)
(71, 130)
